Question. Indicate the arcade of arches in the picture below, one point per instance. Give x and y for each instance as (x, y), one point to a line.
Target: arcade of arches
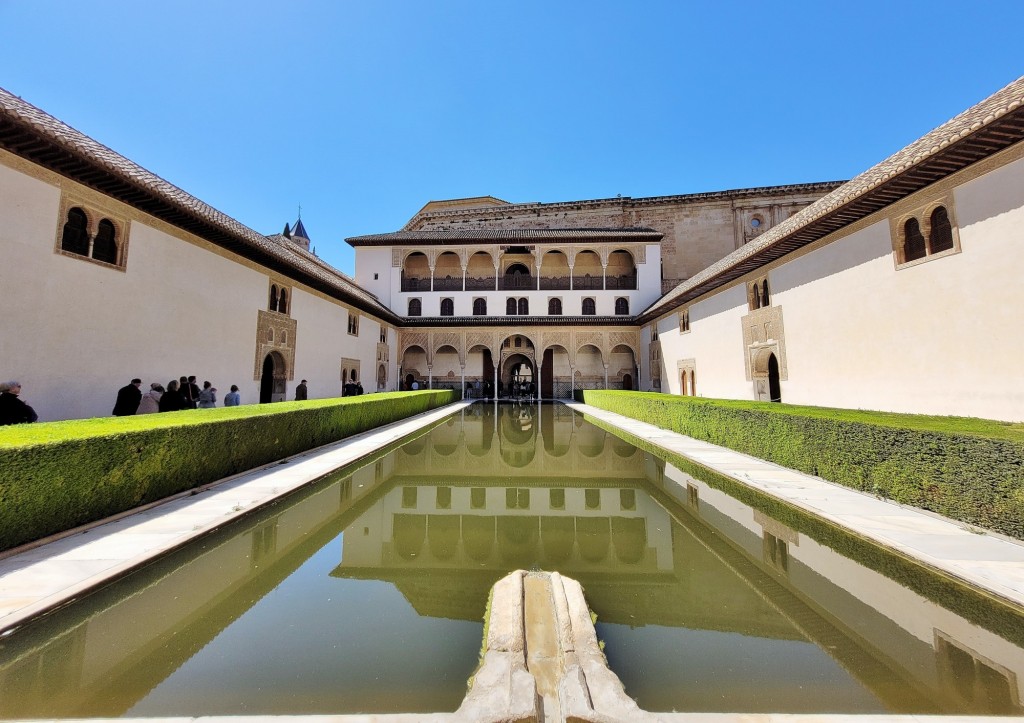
(520, 268)
(528, 361)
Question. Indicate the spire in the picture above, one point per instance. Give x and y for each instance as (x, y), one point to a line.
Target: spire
(299, 231)
(287, 233)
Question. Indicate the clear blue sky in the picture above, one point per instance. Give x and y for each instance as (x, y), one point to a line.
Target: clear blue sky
(362, 112)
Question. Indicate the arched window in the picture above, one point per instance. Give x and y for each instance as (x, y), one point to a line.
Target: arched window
(447, 307)
(479, 307)
(622, 306)
(764, 293)
(282, 302)
(273, 297)
(519, 341)
(415, 307)
(693, 382)
(76, 233)
(524, 306)
(913, 241)
(510, 306)
(755, 296)
(104, 246)
(589, 307)
(554, 307)
(941, 236)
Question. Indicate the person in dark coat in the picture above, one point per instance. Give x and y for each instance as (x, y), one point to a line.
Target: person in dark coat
(12, 409)
(193, 393)
(171, 400)
(128, 398)
(301, 392)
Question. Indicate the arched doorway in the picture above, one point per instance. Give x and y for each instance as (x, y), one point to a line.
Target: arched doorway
(273, 378)
(774, 388)
(518, 377)
(627, 382)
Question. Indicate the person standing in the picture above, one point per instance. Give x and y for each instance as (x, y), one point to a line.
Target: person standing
(208, 397)
(151, 399)
(232, 398)
(12, 409)
(128, 398)
(193, 392)
(172, 401)
(301, 393)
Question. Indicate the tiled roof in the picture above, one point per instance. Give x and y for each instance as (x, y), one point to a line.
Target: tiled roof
(988, 127)
(552, 235)
(33, 134)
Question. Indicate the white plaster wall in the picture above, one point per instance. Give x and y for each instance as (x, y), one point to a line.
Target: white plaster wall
(715, 342)
(83, 330)
(322, 340)
(372, 260)
(939, 337)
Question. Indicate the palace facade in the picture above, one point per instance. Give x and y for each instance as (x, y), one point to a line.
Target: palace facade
(894, 291)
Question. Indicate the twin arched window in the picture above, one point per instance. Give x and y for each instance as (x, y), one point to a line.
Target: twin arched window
(940, 237)
(759, 296)
(515, 306)
(278, 299)
(75, 237)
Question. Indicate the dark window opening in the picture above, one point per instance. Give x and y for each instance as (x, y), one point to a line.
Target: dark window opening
(415, 307)
(554, 307)
(76, 233)
(589, 307)
(913, 241)
(941, 236)
(447, 307)
(104, 247)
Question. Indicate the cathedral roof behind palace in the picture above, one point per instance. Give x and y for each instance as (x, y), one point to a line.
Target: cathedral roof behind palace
(980, 131)
(455, 209)
(498, 235)
(37, 136)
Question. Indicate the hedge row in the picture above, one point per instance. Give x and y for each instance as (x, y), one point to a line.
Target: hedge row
(967, 469)
(58, 475)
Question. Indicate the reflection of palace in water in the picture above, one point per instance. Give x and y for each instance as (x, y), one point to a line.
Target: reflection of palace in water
(502, 487)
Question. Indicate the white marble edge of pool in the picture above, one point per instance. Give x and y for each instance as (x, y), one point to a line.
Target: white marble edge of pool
(985, 560)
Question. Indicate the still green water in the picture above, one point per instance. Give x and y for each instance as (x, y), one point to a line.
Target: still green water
(365, 593)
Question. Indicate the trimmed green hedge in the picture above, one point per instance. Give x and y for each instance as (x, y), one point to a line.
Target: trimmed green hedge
(58, 475)
(970, 470)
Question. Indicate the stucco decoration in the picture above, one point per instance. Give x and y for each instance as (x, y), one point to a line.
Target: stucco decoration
(629, 339)
(481, 338)
(763, 330)
(415, 338)
(275, 332)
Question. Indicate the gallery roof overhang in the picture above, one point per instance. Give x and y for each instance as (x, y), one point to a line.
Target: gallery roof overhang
(510, 236)
(987, 128)
(34, 135)
(506, 321)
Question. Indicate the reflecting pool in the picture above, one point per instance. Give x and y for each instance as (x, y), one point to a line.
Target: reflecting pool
(365, 593)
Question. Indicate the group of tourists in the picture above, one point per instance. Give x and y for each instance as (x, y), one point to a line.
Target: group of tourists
(183, 393)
